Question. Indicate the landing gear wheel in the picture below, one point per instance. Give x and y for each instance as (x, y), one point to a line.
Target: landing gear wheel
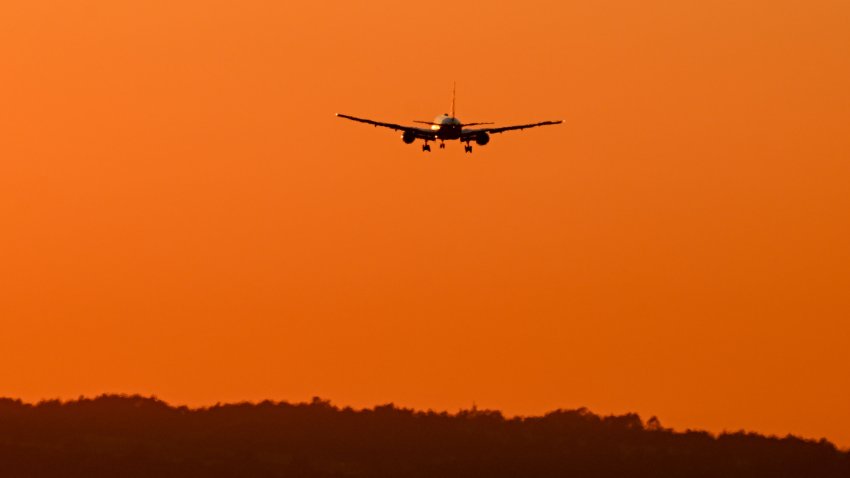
(467, 148)
(426, 147)
(442, 145)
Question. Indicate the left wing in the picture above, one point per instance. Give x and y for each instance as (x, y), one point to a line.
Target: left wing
(472, 132)
(420, 133)
(394, 126)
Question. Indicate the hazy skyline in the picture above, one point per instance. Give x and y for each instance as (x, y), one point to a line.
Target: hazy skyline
(181, 214)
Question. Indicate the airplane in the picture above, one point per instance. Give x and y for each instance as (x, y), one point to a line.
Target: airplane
(447, 127)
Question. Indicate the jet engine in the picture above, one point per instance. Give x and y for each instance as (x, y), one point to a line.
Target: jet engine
(482, 138)
(408, 137)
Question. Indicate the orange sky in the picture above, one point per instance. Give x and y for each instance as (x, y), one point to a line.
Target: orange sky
(182, 215)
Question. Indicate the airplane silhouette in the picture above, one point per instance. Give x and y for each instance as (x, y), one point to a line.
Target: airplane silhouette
(447, 127)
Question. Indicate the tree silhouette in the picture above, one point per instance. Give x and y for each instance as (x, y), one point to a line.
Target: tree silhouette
(136, 436)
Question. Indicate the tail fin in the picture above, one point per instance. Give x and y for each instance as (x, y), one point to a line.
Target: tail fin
(454, 89)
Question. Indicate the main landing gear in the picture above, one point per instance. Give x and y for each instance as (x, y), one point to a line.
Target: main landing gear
(467, 148)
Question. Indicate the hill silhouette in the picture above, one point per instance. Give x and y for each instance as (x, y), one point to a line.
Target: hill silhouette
(133, 436)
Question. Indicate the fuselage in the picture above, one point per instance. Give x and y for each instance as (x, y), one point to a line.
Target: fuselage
(447, 127)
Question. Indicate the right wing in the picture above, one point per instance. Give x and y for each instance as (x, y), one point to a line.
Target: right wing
(467, 133)
(418, 132)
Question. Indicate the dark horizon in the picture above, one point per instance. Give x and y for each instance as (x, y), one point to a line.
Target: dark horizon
(461, 412)
(144, 436)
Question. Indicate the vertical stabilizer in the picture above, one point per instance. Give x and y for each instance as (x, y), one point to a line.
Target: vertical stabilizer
(454, 89)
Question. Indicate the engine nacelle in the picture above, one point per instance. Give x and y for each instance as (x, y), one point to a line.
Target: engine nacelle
(482, 138)
(408, 137)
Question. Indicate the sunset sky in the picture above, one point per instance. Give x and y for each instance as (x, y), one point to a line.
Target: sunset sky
(181, 213)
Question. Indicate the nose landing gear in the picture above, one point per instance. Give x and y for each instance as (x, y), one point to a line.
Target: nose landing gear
(426, 147)
(442, 145)
(467, 148)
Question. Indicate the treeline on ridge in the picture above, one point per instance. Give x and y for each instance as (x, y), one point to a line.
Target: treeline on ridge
(134, 436)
